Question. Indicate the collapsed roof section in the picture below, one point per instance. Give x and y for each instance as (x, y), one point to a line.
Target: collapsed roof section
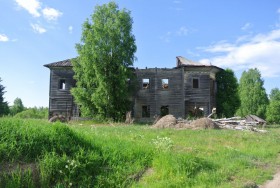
(184, 62)
(181, 62)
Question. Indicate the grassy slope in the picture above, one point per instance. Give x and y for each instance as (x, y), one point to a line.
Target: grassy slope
(137, 156)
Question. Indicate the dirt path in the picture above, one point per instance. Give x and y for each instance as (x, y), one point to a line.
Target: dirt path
(274, 183)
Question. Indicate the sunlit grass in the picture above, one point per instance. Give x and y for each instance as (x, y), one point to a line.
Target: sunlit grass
(93, 155)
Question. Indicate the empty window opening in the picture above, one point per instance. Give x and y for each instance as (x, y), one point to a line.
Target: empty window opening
(195, 83)
(164, 83)
(146, 111)
(145, 83)
(164, 110)
(62, 84)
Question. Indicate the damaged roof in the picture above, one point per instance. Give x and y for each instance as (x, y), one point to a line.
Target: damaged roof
(184, 62)
(64, 63)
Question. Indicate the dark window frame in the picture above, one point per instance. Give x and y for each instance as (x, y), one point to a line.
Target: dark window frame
(165, 85)
(195, 83)
(145, 83)
(146, 111)
(164, 110)
(62, 84)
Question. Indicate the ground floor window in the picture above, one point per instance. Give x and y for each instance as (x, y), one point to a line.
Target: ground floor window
(164, 110)
(146, 111)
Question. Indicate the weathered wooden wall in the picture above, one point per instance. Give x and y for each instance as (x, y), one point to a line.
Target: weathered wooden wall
(180, 96)
(156, 96)
(203, 96)
(61, 101)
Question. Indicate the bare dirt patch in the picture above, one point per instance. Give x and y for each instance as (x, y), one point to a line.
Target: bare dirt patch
(274, 183)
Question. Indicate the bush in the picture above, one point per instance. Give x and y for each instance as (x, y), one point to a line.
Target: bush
(35, 113)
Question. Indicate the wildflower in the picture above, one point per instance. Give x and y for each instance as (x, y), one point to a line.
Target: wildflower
(60, 171)
(72, 163)
(70, 184)
(66, 166)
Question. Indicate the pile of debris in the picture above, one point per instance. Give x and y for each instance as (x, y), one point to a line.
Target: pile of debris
(169, 121)
(250, 122)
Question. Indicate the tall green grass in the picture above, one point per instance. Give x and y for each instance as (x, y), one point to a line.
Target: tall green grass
(132, 156)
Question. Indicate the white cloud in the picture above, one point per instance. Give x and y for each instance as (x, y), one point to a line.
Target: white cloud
(51, 14)
(278, 11)
(3, 38)
(247, 26)
(70, 29)
(38, 29)
(183, 31)
(32, 6)
(260, 51)
(166, 37)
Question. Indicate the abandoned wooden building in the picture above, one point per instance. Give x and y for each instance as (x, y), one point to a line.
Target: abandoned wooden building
(178, 91)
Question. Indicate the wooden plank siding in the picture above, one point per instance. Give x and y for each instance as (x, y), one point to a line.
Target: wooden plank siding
(202, 97)
(179, 96)
(61, 100)
(156, 96)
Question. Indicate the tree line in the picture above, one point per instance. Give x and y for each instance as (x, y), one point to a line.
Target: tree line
(248, 96)
(18, 109)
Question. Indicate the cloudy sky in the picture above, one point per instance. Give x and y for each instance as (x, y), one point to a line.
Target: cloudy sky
(236, 34)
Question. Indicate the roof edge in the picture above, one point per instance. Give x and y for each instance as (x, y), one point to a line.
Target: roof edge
(64, 63)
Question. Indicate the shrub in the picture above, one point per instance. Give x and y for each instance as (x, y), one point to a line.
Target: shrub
(35, 113)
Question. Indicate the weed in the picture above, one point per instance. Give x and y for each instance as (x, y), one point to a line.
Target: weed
(118, 156)
(163, 143)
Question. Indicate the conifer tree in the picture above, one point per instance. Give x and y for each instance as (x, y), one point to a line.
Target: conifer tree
(4, 108)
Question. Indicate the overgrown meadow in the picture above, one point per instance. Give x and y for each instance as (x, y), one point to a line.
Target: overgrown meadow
(35, 153)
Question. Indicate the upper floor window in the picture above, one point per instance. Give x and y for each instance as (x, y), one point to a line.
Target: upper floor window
(164, 83)
(145, 83)
(195, 83)
(62, 84)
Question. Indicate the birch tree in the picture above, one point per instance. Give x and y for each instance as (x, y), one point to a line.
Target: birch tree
(252, 94)
(106, 52)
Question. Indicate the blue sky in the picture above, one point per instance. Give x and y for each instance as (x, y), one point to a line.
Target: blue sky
(236, 34)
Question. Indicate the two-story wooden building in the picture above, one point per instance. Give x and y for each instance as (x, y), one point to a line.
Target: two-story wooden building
(177, 91)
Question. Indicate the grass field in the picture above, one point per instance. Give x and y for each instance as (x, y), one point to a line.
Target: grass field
(35, 153)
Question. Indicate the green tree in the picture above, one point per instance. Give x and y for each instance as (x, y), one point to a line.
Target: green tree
(4, 108)
(273, 109)
(17, 107)
(102, 69)
(275, 94)
(228, 100)
(252, 94)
